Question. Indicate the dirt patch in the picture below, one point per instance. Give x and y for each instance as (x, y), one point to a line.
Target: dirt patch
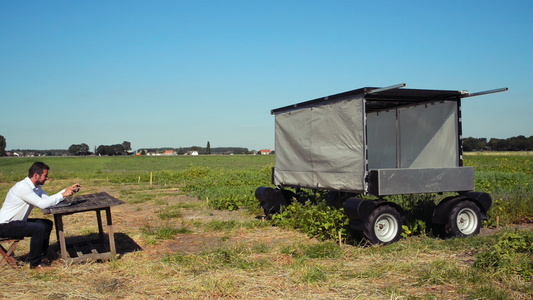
(494, 230)
(193, 243)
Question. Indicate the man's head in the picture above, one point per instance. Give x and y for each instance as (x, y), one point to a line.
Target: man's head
(38, 173)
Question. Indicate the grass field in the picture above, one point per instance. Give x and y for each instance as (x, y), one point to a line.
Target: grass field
(190, 230)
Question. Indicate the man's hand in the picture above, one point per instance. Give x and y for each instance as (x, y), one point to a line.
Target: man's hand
(71, 190)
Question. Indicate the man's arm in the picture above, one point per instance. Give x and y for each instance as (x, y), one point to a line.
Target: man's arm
(28, 195)
(42, 199)
(71, 190)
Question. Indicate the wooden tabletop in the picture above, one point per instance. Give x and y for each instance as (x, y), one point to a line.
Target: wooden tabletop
(80, 203)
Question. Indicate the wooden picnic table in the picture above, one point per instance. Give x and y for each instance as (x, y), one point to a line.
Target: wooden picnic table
(83, 203)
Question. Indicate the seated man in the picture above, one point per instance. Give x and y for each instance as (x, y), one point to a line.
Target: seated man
(20, 200)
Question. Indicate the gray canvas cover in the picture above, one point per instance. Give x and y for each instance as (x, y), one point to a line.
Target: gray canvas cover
(321, 146)
(418, 136)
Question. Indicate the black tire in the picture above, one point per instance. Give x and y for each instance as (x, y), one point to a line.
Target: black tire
(439, 230)
(464, 220)
(383, 226)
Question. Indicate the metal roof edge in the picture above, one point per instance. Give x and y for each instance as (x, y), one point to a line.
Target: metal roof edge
(355, 92)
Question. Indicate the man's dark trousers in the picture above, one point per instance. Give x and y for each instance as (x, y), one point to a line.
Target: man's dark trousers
(39, 231)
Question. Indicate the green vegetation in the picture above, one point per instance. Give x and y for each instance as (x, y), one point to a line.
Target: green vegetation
(198, 235)
(508, 179)
(318, 220)
(511, 255)
(229, 182)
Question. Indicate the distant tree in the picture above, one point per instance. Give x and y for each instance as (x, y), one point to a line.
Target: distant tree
(110, 150)
(126, 145)
(118, 149)
(495, 144)
(208, 148)
(3, 145)
(474, 144)
(85, 149)
(81, 149)
(517, 143)
(74, 149)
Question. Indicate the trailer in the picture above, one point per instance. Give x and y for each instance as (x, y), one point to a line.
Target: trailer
(382, 142)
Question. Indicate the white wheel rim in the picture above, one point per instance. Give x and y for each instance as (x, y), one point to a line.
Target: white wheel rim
(386, 227)
(467, 221)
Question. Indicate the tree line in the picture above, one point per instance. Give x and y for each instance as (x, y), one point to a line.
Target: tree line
(201, 150)
(104, 150)
(517, 143)
(74, 149)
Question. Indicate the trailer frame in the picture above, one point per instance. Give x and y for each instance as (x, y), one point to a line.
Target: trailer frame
(379, 141)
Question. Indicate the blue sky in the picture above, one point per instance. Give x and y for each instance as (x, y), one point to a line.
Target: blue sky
(181, 73)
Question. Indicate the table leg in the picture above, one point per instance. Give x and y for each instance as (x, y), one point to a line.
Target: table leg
(56, 217)
(61, 237)
(111, 233)
(100, 228)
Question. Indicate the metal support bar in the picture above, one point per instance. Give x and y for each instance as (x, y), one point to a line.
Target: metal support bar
(485, 92)
(392, 87)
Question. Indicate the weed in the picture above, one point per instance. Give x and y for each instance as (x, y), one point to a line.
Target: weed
(237, 256)
(440, 272)
(170, 212)
(292, 250)
(418, 227)
(320, 220)
(488, 292)
(260, 248)
(512, 254)
(177, 258)
(328, 249)
(314, 274)
(163, 232)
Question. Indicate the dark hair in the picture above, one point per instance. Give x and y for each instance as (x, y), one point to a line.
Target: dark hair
(37, 167)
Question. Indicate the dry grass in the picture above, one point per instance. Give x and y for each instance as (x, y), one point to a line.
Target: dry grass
(235, 255)
(501, 153)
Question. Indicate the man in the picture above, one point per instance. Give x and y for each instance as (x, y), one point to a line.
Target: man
(20, 200)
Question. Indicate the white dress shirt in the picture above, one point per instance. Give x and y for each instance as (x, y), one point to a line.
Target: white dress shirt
(21, 199)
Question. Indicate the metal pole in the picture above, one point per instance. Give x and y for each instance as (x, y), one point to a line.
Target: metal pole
(392, 87)
(486, 92)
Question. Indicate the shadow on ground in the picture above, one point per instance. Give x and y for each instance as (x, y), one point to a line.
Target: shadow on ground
(91, 243)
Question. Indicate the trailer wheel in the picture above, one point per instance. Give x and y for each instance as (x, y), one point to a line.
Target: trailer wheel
(383, 225)
(464, 220)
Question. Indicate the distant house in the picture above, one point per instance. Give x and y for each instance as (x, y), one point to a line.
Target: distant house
(264, 151)
(169, 152)
(151, 152)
